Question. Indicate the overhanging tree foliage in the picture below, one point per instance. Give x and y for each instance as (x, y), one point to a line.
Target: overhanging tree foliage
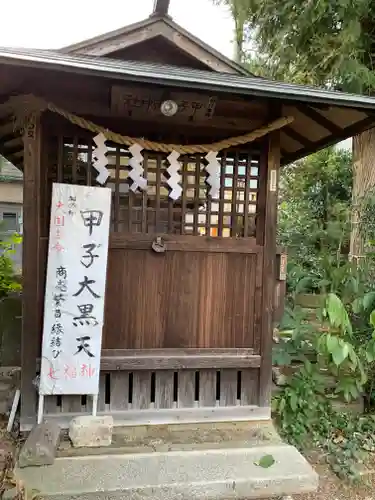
(314, 199)
(323, 42)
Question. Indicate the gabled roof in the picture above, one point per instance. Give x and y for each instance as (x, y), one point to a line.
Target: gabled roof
(321, 117)
(152, 27)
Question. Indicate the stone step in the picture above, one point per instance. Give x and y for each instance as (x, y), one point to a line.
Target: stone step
(225, 473)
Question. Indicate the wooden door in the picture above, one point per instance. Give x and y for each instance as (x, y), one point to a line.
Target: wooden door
(182, 328)
(199, 292)
(204, 289)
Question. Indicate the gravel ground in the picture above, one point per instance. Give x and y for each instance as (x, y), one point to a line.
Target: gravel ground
(332, 488)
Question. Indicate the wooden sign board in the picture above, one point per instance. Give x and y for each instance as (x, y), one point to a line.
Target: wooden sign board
(75, 288)
(141, 103)
(283, 267)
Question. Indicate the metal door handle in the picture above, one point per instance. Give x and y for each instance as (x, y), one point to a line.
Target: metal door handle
(158, 245)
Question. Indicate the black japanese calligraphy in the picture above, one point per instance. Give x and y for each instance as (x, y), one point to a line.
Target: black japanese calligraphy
(88, 255)
(61, 286)
(84, 346)
(91, 218)
(58, 299)
(57, 329)
(61, 272)
(55, 342)
(85, 317)
(86, 284)
(72, 205)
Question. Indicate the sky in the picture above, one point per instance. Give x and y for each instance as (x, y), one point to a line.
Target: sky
(46, 24)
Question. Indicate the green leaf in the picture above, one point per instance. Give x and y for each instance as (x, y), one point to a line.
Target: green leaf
(372, 319)
(303, 284)
(274, 404)
(293, 401)
(364, 377)
(323, 283)
(369, 356)
(280, 357)
(353, 356)
(266, 461)
(369, 301)
(337, 313)
(354, 392)
(340, 354)
(357, 305)
(281, 405)
(332, 343)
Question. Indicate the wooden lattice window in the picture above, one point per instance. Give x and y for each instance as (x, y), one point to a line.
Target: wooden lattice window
(152, 210)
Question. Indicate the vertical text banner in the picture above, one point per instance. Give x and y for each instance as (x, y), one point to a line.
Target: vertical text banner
(75, 288)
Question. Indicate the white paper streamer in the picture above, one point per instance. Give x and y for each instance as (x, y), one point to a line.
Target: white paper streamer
(213, 170)
(100, 161)
(136, 172)
(174, 175)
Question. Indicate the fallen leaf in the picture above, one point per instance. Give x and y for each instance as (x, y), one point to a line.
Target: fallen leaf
(266, 461)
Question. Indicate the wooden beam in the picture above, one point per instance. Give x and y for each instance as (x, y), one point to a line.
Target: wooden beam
(6, 130)
(161, 416)
(271, 166)
(185, 243)
(161, 7)
(177, 359)
(92, 110)
(31, 327)
(12, 146)
(18, 155)
(4, 112)
(321, 120)
(350, 131)
(283, 152)
(296, 136)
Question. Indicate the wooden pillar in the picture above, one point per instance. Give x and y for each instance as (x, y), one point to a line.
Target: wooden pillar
(31, 327)
(272, 164)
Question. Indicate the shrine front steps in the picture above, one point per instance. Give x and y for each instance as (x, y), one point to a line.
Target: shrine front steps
(173, 468)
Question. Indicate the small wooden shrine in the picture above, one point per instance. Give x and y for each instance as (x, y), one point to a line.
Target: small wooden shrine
(192, 261)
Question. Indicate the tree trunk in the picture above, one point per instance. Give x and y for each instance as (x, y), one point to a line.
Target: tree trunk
(239, 17)
(363, 184)
(238, 39)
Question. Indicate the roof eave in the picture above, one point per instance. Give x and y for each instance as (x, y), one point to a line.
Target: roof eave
(200, 80)
(255, 87)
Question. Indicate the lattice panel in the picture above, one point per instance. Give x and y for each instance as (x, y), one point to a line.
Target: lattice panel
(142, 390)
(153, 210)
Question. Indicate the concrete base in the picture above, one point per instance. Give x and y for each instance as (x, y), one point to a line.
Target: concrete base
(205, 470)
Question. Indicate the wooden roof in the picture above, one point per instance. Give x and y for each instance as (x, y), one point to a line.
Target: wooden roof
(321, 117)
(155, 28)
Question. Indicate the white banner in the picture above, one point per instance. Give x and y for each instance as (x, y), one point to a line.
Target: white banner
(75, 288)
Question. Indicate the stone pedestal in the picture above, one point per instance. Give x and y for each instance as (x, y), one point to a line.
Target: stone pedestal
(40, 446)
(88, 431)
